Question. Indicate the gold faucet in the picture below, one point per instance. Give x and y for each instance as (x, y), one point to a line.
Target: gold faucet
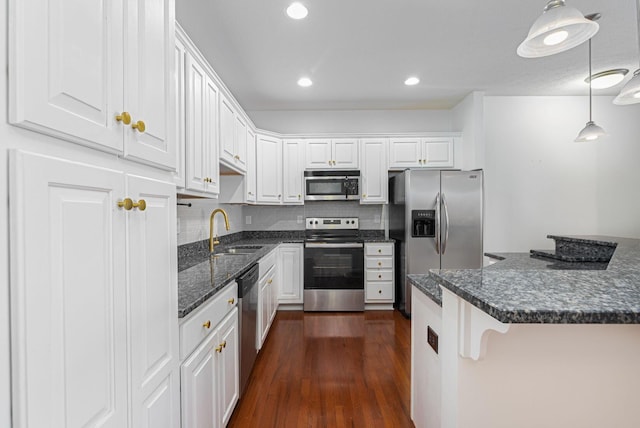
(226, 224)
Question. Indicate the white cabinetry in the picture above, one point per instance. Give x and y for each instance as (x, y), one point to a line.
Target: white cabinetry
(233, 137)
(341, 153)
(291, 270)
(202, 168)
(267, 295)
(94, 299)
(95, 73)
(373, 167)
(378, 262)
(269, 170)
(293, 172)
(210, 374)
(421, 152)
(250, 177)
(180, 56)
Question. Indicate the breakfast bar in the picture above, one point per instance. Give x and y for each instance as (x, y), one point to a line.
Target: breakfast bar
(550, 338)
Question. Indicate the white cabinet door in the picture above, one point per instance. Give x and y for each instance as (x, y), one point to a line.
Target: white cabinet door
(68, 294)
(374, 182)
(241, 144)
(264, 308)
(345, 153)
(76, 67)
(228, 367)
(153, 304)
(227, 130)
(180, 114)
(66, 70)
(148, 87)
(273, 291)
(199, 388)
(202, 169)
(293, 172)
(437, 152)
(318, 154)
(250, 177)
(269, 170)
(405, 152)
(291, 270)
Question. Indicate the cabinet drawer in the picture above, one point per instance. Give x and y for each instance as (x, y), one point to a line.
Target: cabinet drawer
(384, 249)
(204, 320)
(379, 263)
(379, 291)
(266, 263)
(379, 275)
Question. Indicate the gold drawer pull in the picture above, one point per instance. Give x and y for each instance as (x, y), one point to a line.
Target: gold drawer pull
(224, 344)
(379, 250)
(270, 281)
(124, 117)
(219, 349)
(207, 324)
(379, 291)
(231, 301)
(379, 276)
(379, 263)
(128, 204)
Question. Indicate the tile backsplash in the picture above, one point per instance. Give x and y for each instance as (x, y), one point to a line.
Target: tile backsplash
(194, 220)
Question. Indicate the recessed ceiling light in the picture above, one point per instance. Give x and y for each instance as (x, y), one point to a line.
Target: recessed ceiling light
(297, 11)
(607, 79)
(412, 81)
(305, 82)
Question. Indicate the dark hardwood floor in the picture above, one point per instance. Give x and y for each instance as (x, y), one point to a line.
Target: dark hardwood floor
(331, 370)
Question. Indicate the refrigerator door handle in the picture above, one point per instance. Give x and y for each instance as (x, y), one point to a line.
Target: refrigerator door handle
(446, 225)
(438, 223)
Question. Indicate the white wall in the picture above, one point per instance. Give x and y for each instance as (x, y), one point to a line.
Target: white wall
(353, 121)
(468, 118)
(538, 181)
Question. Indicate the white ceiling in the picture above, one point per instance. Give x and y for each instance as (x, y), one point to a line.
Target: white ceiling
(359, 52)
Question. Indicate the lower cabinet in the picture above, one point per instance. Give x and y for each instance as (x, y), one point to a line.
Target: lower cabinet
(210, 374)
(93, 296)
(267, 295)
(291, 270)
(378, 262)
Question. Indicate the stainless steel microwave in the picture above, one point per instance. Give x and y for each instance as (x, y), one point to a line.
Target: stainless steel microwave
(331, 185)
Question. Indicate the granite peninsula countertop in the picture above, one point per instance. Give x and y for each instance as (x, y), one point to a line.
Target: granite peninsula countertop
(200, 276)
(519, 288)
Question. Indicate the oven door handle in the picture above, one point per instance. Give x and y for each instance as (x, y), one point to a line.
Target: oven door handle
(333, 245)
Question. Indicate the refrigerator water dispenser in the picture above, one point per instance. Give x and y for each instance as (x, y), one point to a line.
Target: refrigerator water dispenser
(424, 223)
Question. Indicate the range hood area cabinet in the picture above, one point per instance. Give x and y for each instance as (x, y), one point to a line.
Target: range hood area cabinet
(118, 98)
(428, 152)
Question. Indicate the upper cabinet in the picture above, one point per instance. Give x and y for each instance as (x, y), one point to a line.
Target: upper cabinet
(293, 172)
(233, 137)
(373, 168)
(269, 170)
(202, 168)
(435, 152)
(96, 73)
(341, 153)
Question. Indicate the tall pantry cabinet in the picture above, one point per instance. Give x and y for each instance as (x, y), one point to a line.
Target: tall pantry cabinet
(94, 328)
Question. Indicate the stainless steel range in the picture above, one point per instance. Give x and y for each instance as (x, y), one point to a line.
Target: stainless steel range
(333, 265)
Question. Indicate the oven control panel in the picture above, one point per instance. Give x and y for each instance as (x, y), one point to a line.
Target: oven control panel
(332, 223)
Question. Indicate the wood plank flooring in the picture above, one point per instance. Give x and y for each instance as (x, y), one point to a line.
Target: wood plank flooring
(331, 370)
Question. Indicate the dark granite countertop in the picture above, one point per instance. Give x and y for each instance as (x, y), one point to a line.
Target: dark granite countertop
(200, 276)
(523, 289)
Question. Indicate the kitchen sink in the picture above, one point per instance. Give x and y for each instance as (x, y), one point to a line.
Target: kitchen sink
(242, 250)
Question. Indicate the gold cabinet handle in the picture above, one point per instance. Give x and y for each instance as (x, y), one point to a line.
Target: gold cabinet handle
(379, 263)
(207, 324)
(126, 203)
(219, 349)
(231, 301)
(270, 281)
(139, 125)
(236, 157)
(141, 205)
(329, 162)
(379, 291)
(124, 117)
(379, 276)
(299, 196)
(379, 250)
(224, 344)
(424, 161)
(364, 195)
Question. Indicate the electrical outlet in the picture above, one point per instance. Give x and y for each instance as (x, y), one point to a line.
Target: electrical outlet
(376, 218)
(300, 219)
(247, 219)
(432, 339)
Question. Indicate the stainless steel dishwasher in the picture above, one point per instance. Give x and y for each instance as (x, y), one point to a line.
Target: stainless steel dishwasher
(248, 303)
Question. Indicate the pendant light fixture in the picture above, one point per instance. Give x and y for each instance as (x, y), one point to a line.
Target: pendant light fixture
(591, 131)
(560, 28)
(630, 93)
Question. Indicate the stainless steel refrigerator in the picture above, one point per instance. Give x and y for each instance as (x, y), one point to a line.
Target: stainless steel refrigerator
(435, 218)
